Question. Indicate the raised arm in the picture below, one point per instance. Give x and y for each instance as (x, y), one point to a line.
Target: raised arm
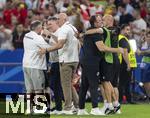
(57, 46)
(54, 37)
(103, 48)
(143, 52)
(93, 31)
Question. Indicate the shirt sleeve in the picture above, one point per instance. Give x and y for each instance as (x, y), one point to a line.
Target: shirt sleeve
(74, 28)
(97, 37)
(42, 43)
(124, 44)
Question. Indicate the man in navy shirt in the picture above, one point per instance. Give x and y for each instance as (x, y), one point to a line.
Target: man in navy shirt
(93, 46)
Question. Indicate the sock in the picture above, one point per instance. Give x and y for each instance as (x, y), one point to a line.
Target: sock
(115, 103)
(110, 106)
(105, 103)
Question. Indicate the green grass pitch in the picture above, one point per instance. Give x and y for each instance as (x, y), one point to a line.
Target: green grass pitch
(128, 111)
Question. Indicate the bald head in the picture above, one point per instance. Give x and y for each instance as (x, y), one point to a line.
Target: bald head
(108, 20)
(62, 18)
(107, 16)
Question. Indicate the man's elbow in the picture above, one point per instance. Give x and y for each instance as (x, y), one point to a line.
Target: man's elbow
(101, 47)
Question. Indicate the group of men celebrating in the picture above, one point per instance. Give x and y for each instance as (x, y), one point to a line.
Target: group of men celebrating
(104, 61)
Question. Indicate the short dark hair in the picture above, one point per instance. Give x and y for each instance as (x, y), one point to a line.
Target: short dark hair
(35, 24)
(123, 5)
(124, 26)
(92, 21)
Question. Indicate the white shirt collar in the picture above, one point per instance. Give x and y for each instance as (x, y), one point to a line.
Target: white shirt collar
(34, 33)
(66, 23)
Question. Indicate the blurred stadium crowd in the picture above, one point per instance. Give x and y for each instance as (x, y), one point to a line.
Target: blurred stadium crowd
(16, 16)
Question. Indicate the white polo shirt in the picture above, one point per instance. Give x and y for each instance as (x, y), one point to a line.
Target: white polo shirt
(69, 52)
(32, 43)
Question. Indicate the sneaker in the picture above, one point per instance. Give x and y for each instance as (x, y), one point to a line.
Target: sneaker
(118, 112)
(103, 109)
(82, 112)
(109, 111)
(96, 111)
(69, 112)
(52, 109)
(56, 112)
(74, 109)
(116, 108)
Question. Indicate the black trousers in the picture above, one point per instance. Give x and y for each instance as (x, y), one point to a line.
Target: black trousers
(124, 83)
(89, 80)
(55, 85)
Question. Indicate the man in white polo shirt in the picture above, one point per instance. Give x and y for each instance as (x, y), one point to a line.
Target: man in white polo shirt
(68, 59)
(33, 63)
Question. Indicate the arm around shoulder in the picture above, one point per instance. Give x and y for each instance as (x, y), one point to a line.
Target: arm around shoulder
(103, 48)
(93, 31)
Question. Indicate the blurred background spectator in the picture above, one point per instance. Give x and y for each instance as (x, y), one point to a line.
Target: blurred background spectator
(5, 38)
(125, 17)
(138, 25)
(23, 12)
(18, 35)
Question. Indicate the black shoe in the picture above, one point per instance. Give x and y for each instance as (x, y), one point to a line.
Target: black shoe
(52, 109)
(109, 111)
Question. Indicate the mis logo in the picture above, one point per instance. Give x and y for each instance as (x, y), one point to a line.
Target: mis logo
(10, 106)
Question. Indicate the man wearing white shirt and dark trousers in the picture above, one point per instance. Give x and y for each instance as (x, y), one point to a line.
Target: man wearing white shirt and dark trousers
(68, 59)
(33, 63)
(55, 83)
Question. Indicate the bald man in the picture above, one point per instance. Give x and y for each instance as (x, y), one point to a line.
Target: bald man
(109, 80)
(67, 47)
(111, 70)
(62, 19)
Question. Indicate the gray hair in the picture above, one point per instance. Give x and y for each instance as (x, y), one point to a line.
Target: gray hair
(35, 24)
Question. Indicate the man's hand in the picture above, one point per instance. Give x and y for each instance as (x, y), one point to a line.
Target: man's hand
(81, 35)
(138, 52)
(128, 67)
(42, 51)
(121, 50)
(75, 79)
